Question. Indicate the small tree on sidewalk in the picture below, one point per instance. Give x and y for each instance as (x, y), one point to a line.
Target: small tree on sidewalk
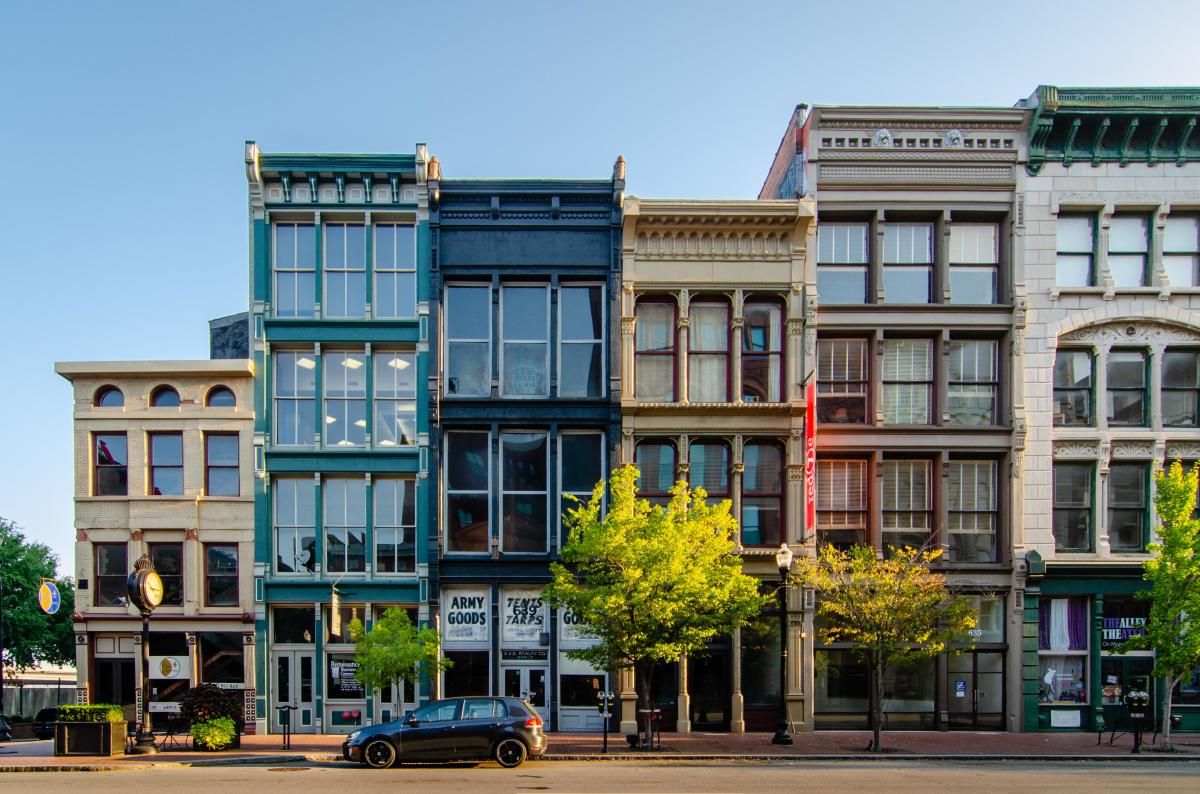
(395, 650)
(651, 583)
(894, 611)
(1174, 576)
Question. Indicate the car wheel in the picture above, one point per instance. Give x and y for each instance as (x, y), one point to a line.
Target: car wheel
(510, 753)
(379, 754)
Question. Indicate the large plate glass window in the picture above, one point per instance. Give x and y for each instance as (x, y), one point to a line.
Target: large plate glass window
(974, 262)
(907, 381)
(525, 459)
(1073, 506)
(1181, 252)
(655, 352)
(708, 352)
(395, 399)
(762, 352)
(295, 269)
(907, 262)
(468, 341)
(1127, 506)
(1127, 387)
(581, 341)
(345, 515)
(395, 270)
(395, 524)
(467, 476)
(345, 270)
(842, 502)
(295, 399)
(842, 263)
(972, 505)
(1073, 388)
(1076, 236)
(1128, 244)
(345, 399)
(907, 504)
(1180, 388)
(295, 525)
(525, 354)
(974, 382)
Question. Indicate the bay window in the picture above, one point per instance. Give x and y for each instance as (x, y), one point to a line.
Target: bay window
(345, 399)
(1076, 246)
(842, 502)
(295, 266)
(295, 398)
(395, 524)
(581, 341)
(762, 494)
(907, 262)
(1127, 506)
(842, 262)
(395, 391)
(654, 357)
(345, 269)
(708, 352)
(467, 475)
(907, 381)
(524, 464)
(468, 324)
(395, 270)
(842, 381)
(973, 383)
(1073, 506)
(1128, 246)
(1073, 388)
(972, 507)
(345, 519)
(907, 504)
(1127, 388)
(295, 520)
(762, 352)
(1181, 388)
(974, 263)
(525, 346)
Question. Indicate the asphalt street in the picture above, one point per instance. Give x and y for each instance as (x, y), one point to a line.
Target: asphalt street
(599, 777)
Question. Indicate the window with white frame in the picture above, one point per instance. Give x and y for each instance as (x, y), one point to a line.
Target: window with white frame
(580, 465)
(974, 383)
(345, 270)
(1075, 261)
(974, 262)
(1128, 249)
(345, 399)
(468, 473)
(468, 325)
(973, 510)
(295, 398)
(907, 504)
(295, 519)
(581, 341)
(842, 263)
(295, 267)
(524, 466)
(395, 524)
(907, 381)
(842, 502)
(1181, 250)
(395, 270)
(525, 347)
(907, 262)
(395, 390)
(842, 381)
(345, 519)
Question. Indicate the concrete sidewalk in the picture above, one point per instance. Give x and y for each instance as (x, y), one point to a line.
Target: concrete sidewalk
(820, 745)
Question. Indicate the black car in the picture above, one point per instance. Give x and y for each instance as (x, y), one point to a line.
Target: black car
(43, 723)
(456, 729)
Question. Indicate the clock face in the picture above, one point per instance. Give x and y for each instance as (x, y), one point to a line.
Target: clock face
(152, 589)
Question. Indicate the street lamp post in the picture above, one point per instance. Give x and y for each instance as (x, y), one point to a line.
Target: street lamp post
(783, 558)
(145, 590)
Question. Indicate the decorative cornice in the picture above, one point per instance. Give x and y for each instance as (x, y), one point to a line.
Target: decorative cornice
(717, 244)
(1076, 449)
(1133, 333)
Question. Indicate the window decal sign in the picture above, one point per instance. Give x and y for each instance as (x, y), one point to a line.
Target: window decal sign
(466, 616)
(524, 615)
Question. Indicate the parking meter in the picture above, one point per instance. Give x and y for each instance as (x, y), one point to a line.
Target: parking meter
(1137, 708)
(604, 699)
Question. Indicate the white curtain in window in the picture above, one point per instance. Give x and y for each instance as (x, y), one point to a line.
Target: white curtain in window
(1060, 635)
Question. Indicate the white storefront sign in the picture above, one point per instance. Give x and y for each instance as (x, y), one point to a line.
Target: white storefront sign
(170, 667)
(524, 614)
(572, 633)
(465, 616)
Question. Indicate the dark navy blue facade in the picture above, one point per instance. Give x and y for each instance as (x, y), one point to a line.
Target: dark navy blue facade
(524, 280)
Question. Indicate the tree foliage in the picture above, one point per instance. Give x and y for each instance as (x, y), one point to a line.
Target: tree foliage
(395, 650)
(650, 582)
(894, 612)
(30, 635)
(1174, 576)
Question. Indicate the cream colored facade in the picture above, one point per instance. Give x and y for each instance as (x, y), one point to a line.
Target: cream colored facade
(706, 262)
(197, 635)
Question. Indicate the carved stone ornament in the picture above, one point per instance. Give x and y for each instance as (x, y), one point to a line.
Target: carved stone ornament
(1133, 449)
(1130, 333)
(953, 139)
(1076, 449)
(1188, 450)
(882, 138)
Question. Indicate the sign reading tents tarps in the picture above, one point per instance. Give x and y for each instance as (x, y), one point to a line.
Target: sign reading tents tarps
(524, 613)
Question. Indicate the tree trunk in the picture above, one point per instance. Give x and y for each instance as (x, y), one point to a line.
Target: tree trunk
(876, 705)
(1171, 681)
(643, 676)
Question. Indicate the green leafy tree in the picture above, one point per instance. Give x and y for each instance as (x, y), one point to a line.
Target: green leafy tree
(894, 612)
(651, 582)
(395, 650)
(30, 635)
(1174, 594)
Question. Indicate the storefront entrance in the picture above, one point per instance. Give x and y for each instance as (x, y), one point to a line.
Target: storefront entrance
(292, 685)
(975, 690)
(114, 682)
(709, 675)
(527, 682)
(1120, 675)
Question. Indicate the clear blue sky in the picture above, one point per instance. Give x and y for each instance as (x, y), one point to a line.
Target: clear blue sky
(123, 208)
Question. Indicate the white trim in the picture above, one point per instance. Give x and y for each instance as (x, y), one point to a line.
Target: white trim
(447, 310)
(603, 340)
(504, 341)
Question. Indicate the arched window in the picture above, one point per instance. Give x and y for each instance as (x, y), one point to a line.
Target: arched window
(654, 359)
(762, 494)
(108, 397)
(708, 468)
(762, 352)
(655, 460)
(220, 397)
(164, 397)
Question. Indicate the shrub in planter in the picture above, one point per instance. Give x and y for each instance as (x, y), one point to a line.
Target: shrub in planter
(97, 712)
(98, 729)
(209, 702)
(215, 734)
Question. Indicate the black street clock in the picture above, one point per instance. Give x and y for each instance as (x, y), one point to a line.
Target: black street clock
(144, 586)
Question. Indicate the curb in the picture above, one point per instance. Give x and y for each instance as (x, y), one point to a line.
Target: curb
(247, 760)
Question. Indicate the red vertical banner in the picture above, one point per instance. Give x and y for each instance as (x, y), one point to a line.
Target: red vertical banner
(810, 459)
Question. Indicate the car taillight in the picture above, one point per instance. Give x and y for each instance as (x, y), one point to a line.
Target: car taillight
(533, 722)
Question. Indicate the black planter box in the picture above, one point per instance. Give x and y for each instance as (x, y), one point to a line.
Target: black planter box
(89, 738)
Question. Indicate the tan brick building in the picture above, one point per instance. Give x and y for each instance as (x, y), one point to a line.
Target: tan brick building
(164, 466)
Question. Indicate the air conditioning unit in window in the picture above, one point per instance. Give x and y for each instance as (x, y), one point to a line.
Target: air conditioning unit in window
(749, 398)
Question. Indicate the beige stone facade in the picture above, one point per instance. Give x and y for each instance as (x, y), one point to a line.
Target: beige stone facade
(715, 356)
(183, 431)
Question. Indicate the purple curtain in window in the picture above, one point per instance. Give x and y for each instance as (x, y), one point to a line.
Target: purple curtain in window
(1044, 624)
(1077, 620)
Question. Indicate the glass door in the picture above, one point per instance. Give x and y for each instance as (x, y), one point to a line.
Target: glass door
(528, 683)
(292, 685)
(975, 690)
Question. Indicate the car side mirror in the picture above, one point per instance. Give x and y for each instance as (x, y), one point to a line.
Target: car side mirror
(412, 721)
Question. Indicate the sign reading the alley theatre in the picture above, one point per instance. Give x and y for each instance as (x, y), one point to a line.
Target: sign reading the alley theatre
(466, 616)
(1118, 630)
(524, 614)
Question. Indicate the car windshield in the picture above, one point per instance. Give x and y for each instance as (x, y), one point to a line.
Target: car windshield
(437, 712)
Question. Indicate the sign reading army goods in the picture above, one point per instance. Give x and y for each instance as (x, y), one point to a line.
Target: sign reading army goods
(466, 616)
(524, 614)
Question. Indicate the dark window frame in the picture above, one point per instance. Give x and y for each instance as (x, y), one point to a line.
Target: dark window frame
(1193, 390)
(695, 354)
(485, 492)
(210, 576)
(993, 383)
(209, 465)
(102, 394)
(779, 496)
(703, 441)
(827, 384)
(1067, 390)
(165, 392)
(657, 497)
(1087, 506)
(220, 392)
(1143, 390)
(171, 581)
(155, 467)
(862, 528)
(930, 511)
(105, 580)
(776, 357)
(1140, 508)
(98, 467)
(671, 353)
